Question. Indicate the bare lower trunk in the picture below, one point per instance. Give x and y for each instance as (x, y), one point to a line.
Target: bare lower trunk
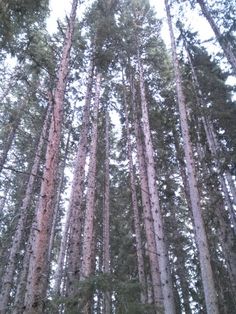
(90, 197)
(166, 282)
(21, 286)
(147, 215)
(71, 241)
(37, 278)
(106, 218)
(225, 44)
(137, 229)
(21, 225)
(59, 191)
(200, 232)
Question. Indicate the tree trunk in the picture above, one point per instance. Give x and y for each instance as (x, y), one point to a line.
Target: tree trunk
(71, 241)
(7, 280)
(12, 126)
(147, 215)
(225, 44)
(200, 232)
(232, 187)
(106, 218)
(214, 146)
(59, 191)
(226, 235)
(166, 282)
(137, 229)
(90, 197)
(37, 279)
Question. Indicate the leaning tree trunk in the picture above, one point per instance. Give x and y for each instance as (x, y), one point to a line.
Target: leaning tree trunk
(225, 44)
(166, 281)
(37, 279)
(106, 218)
(200, 232)
(7, 280)
(90, 197)
(137, 229)
(147, 215)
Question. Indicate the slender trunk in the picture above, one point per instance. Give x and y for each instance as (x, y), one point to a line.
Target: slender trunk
(20, 229)
(21, 286)
(3, 199)
(37, 279)
(147, 215)
(227, 240)
(166, 282)
(232, 187)
(200, 232)
(59, 191)
(225, 44)
(213, 145)
(12, 126)
(181, 164)
(137, 229)
(71, 240)
(90, 197)
(106, 218)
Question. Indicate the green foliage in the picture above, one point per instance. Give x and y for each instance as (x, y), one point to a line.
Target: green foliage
(18, 19)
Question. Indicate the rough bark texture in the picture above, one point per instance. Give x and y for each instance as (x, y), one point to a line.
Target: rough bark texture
(59, 191)
(225, 44)
(90, 197)
(37, 279)
(7, 280)
(166, 282)
(137, 229)
(200, 233)
(21, 286)
(106, 218)
(148, 222)
(74, 212)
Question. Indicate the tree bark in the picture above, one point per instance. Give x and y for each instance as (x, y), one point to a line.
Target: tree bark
(200, 232)
(71, 240)
(59, 191)
(147, 215)
(37, 279)
(90, 197)
(106, 217)
(166, 282)
(7, 280)
(137, 230)
(224, 43)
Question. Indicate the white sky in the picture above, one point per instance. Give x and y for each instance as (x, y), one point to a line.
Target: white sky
(59, 9)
